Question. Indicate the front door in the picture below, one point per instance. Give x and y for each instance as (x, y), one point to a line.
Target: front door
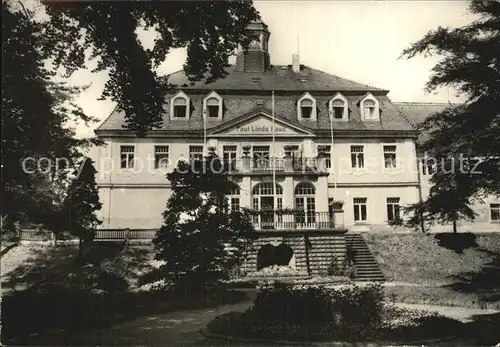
(267, 206)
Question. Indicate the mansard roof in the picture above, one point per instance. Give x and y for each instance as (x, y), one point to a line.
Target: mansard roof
(285, 108)
(278, 78)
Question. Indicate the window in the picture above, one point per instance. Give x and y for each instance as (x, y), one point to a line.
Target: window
(305, 202)
(495, 212)
(127, 157)
(360, 209)
(369, 109)
(328, 154)
(338, 109)
(393, 209)
(195, 152)
(179, 108)
(212, 106)
(229, 155)
(161, 157)
(234, 199)
(357, 157)
(390, 156)
(306, 107)
(261, 157)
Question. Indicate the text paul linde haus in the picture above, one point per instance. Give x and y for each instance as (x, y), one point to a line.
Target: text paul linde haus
(260, 129)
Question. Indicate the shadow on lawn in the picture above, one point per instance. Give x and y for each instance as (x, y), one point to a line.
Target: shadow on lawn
(485, 282)
(483, 330)
(456, 242)
(55, 294)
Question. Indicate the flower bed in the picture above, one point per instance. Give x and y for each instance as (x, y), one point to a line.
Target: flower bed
(286, 313)
(278, 272)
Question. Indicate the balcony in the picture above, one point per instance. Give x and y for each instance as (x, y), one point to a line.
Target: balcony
(264, 221)
(276, 164)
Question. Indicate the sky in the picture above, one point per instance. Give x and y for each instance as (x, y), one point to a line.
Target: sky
(358, 40)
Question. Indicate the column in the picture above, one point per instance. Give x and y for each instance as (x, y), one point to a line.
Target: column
(288, 192)
(246, 192)
(322, 194)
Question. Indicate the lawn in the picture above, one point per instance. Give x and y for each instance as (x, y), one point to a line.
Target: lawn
(442, 269)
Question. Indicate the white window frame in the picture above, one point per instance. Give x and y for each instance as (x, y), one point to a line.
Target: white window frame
(156, 165)
(329, 152)
(195, 145)
(494, 207)
(392, 205)
(357, 168)
(212, 95)
(355, 204)
(384, 145)
(180, 95)
(345, 115)
(307, 96)
(232, 196)
(376, 112)
(128, 168)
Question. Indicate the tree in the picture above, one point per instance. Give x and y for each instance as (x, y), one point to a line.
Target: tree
(38, 146)
(200, 240)
(82, 201)
(211, 31)
(471, 64)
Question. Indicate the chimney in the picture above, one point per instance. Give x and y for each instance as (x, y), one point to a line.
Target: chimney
(295, 63)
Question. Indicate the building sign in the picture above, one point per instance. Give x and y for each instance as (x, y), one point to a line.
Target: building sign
(260, 126)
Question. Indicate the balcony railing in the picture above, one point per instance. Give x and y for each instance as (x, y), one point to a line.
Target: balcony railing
(278, 164)
(265, 165)
(307, 220)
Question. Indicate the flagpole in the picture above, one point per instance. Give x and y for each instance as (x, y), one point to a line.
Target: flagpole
(205, 151)
(333, 164)
(274, 156)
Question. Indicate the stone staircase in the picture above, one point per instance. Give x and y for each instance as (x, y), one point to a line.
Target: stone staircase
(367, 268)
(324, 248)
(320, 249)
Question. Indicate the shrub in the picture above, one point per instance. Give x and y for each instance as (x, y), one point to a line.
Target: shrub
(335, 268)
(352, 312)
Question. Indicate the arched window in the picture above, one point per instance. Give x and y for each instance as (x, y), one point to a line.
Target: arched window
(212, 106)
(263, 202)
(179, 108)
(370, 108)
(306, 107)
(338, 107)
(305, 203)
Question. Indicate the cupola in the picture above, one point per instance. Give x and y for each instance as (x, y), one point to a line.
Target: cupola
(256, 58)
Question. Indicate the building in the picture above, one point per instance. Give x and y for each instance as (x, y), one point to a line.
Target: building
(369, 144)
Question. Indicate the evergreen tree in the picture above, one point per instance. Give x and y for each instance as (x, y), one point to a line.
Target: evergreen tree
(211, 31)
(38, 147)
(200, 240)
(78, 214)
(471, 64)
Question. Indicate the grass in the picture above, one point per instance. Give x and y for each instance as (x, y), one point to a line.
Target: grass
(437, 295)
(447, 269)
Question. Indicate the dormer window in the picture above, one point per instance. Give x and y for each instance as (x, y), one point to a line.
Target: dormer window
(338, 108)
(306, 107)
(179, 108)
(212, 106)
(370, 108)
